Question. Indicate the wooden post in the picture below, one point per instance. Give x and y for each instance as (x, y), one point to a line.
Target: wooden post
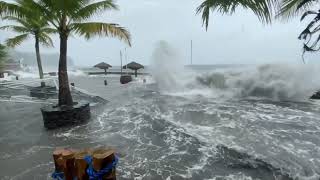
(101, 159)
(72, 162)
(81, 165)
(57, 160)
(68, 164)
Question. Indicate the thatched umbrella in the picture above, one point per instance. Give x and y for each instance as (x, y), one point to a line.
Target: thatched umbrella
(104, 66)
(134, 66)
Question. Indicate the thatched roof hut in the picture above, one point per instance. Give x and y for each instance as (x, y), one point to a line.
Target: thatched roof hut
(134, 66)
(104, 66)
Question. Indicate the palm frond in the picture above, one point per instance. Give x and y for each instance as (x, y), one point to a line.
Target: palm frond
(262, 8)
(305, 34)
(45, 40)
(10, 9)
(205, 8)
(94, 8)
(311, 44)
(16, 28)
(18, 20)
(55, 9)
(49, 11)
(290, 8)
(91, 29)
(304, 15)
(15, 41)
(315, 20)
(49, 30)
(316, 29)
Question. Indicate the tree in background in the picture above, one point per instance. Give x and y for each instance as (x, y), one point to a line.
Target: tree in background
(3, 56)
(69, 17)
(31, 23)
(267, 9)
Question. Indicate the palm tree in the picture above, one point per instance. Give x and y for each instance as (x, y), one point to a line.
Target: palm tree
(26, 27)
(262, 8)
(265, 9)
(311, 34)
(67, 17)
(28, 22)
(70, 17)
(3, 57)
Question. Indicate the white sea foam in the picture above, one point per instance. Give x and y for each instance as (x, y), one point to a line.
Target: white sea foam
(238, 176)
(35, 75)
(275, 81)
(23, 74)
(76, 73)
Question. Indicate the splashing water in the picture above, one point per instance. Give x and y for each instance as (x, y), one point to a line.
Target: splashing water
(167, 68)
(164, 136)
(277, 81)
(273, 81)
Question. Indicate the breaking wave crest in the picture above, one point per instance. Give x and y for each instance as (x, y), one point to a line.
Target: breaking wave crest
(277, 81)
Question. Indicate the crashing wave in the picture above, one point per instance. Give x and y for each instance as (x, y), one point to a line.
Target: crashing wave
(280, 82)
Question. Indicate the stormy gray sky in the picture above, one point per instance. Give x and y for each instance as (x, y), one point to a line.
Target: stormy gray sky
(239, 39)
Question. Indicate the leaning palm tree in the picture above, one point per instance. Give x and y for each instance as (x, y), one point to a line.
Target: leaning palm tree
(71, 16)
(31, 25)
(28, 22)
(3, 57)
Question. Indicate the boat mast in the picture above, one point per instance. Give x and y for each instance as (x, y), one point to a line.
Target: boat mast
(126, 58)
(121, 61)
(191, 53)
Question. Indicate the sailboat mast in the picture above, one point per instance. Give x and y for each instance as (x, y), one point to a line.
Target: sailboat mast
(191, 53)
(126, 58)
(121, 61)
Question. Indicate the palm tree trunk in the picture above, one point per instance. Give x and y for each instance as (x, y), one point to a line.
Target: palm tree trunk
(65, 97)
(38, 57)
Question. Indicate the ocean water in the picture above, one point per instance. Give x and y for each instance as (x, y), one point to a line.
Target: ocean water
(221, 123)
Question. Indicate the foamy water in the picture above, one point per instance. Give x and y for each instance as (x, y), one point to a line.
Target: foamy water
(236, 123)
(191, 133)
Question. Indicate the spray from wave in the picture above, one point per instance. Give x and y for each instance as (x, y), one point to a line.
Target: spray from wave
(166, 67)
(275, 81)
